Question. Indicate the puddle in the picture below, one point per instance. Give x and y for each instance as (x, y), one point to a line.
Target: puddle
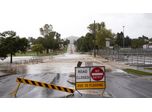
(118, 71)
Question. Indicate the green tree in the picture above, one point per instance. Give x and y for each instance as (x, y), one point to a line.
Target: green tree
(101, 33)
(22, 44)
(3, 52)
(97, 27)
(51, 39)
(31, 40)
(81, 44)
(65, 42)
(46, 29)
(89, 42)
(101, 37)
(119, 39)
(134, 43)
(127, 41)
(48, 41)
(139, 42)
(85, 43)
(38, 48)
(39, 40)
(13, 43)
(57, 41)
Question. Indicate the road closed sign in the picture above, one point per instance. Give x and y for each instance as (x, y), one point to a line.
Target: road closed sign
(90, 77)
(82, 74)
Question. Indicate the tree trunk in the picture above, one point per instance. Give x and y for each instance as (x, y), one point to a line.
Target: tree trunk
(47, 51)
(11, 58)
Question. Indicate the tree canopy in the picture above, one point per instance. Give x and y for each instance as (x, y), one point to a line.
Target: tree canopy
(10, 44)
(50, 39)
(98, 33)
(95, 38)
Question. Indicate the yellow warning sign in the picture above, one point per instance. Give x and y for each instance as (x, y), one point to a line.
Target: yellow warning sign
(91, 85)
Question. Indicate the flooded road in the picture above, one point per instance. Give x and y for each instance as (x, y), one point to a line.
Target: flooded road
(57, 69)
(63, 65)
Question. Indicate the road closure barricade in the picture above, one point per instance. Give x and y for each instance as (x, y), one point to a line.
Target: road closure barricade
(86, 78)
(41, 84)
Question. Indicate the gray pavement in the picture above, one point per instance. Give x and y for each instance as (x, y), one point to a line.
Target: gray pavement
(122, 85)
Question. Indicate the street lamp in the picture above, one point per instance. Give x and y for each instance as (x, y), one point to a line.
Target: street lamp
(94, 34)
(123, 36)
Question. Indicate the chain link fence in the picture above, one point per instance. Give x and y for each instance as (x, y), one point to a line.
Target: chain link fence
(134, 57)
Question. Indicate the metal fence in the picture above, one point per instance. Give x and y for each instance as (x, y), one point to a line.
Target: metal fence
(32, 60)
(136, 57)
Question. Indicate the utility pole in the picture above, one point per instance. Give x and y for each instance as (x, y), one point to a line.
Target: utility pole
(94, 34)
(123, 37)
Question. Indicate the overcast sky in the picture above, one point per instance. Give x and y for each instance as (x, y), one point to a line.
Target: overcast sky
(71, 17)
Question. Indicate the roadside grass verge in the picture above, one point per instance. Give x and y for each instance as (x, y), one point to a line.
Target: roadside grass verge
(137, 72)
(31, 53)
(28, 53)
(108, 70)
(148, 68)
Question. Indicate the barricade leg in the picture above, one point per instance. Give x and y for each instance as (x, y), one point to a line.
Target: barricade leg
(14, 93)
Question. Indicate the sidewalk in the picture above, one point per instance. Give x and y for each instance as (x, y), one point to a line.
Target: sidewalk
(110, 64)
(114, 65)
(2, 74)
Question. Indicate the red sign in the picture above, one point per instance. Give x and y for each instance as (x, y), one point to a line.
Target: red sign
(97, 73)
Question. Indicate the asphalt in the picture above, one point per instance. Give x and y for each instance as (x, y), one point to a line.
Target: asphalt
(57, 70)
(122, 85)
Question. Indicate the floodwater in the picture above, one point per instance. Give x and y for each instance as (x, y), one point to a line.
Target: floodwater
(45, 71)
(119, 83)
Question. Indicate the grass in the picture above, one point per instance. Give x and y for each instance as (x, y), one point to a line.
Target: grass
(28, 53)
(108, 70)
(148, 68)
(31, 53)
(137, 72)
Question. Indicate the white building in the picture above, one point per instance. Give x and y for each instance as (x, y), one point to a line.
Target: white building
(148, 46)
